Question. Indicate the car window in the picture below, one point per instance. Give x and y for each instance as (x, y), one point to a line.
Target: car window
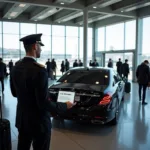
(86, 77)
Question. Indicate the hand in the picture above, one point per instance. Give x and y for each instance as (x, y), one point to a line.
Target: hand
(70, 105)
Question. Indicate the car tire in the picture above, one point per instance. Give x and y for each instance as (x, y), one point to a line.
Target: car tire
(115, 120)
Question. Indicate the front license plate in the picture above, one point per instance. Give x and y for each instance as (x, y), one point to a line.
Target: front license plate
(77, 99)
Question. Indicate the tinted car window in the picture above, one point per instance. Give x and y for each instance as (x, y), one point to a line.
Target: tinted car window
(87, 77)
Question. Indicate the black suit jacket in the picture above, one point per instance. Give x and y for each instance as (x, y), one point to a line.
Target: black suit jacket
(125, 69)
(29, 83)
(2, 69)
(143, 74)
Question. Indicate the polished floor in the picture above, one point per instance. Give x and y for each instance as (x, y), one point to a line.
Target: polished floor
(132, 132)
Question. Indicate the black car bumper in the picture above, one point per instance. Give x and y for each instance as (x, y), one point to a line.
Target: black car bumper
(95, 114)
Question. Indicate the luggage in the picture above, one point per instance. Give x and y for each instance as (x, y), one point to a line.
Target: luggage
(5, 133)
(127, 87)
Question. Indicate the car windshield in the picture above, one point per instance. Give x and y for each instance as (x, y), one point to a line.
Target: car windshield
(99, 77)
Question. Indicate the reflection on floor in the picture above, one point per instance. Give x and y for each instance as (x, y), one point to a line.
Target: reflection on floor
(132, 132)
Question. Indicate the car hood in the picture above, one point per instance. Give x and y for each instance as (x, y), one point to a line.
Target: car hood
(78, 86)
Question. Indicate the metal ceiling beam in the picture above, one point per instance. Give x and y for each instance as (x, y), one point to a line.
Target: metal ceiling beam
(14, 10)
(46, 3)
(110, 21)
(66, 16)
(127, 3)
(40, 15)
(108, 11)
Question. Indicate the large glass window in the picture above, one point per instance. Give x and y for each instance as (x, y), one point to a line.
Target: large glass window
(28, 28)
(58, 30)
(58, 51)
(10, 28)
(44, 29)
(130, 34)
(72, 31)
(72, 49)
(115, 37)
(10, 47)
(101, 39)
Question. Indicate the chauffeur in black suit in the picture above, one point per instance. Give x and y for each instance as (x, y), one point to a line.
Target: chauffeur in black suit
(29, 83)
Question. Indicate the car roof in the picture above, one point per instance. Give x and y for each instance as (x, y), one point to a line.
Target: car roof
(92, 68)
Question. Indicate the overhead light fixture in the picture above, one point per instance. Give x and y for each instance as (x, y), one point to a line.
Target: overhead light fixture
(94, 7)
(49, 11)
(62, 3)
(13, 14)
(9, 18)
(122, 11)
(35, 20)
(22, 5)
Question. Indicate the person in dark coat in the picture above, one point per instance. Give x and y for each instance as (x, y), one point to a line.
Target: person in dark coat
(62, 67)
(143, 78)
(90, 63)
(75, 64)
(67, 65)
(110, 63)
(49, 69)
(54, 67)
(29, 83)
(125, 69)
(80, 64)
(95, 63)
(119, 67)
(2, 73)
(10, 65)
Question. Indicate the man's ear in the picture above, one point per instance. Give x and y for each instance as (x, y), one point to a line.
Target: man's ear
(34, 46)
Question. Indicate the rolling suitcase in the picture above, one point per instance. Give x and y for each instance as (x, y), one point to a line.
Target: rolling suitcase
(127, 87)
(5, 133)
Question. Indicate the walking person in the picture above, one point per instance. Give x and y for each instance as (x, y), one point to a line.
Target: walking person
(2, 73)
(95, 63)
(29, 83)
(80, 64)
(49, 69)
(10, 65)
(125, 69)
(119, 67)
(75, 64)
(143, 78)
(67, 65)
(62, 67)
(54, 67)
(110, 63)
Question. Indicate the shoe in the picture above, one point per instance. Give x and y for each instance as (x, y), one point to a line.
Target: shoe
(144, 103)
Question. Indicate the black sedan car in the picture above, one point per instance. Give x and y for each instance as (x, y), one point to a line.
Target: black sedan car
(98, 94)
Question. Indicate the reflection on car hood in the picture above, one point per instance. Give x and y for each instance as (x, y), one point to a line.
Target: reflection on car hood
(89, 87)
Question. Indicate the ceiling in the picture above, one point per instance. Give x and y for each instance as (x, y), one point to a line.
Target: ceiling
(70, 12)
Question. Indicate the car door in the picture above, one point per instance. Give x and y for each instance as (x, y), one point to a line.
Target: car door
(119, 83)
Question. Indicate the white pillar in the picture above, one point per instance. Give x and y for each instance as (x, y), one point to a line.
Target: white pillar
(138, 48)
(85, 37)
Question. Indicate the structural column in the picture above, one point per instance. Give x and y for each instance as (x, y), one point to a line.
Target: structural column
(85, 36)
(138, 48)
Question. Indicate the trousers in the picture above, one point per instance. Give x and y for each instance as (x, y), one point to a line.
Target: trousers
(2, 83)
(39, 140)
(144, 87)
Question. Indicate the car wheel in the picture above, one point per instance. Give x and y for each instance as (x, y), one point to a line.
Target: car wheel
(115, 120)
